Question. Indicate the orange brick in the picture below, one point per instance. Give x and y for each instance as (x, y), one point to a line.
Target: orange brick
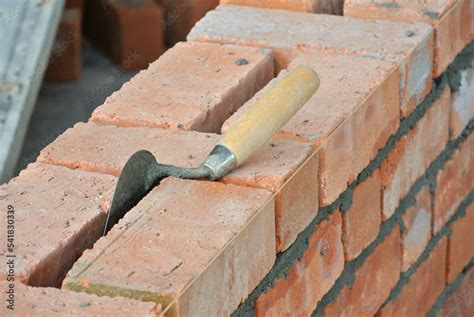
(462, 102)
(417, 222)
(181, 15)
(206, 254)
(461, 302)
(373, 282)
(419, 295)
(46, 302)
(295, 5)
(130, 32)
(410, 45)
(191, 87)
(344, 116)
(461, 248)
(65, 59)
(309, 278)
(454, 182)
(414, 152)
(105, 149)
(451, 19)
(362, 221)
(58, 214)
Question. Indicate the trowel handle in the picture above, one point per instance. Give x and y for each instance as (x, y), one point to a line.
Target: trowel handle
(270, 113)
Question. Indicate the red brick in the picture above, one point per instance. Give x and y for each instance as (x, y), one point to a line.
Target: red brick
(310, 6)
(46, 302)
(205, 254)
(58, 214)
(285, 167)
(417, 222)
(362, 221)
(461, 248)
(454, 182)
(75, 4)
(373, 281)
(462, 102)
(414, 152)
(344, 116)
(451, 19)
(425, 285)
(130, 32)
(181, 15)
(410, 45)
(309, 278)
(461, 302)
(65, 59)
(192, 86)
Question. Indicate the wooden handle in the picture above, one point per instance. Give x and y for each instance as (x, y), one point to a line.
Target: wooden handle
(269, 114)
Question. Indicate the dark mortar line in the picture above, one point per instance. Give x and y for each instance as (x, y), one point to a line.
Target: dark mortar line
(449, 290)
(406, 276)
(285, 260)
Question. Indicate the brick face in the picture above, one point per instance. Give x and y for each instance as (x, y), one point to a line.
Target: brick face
(203, 253)
(373, 281)
(461, 302)
(309, 278)
(413, 153)
(167, 96)
(454, 182)
(58, 214)
(462, 102)
(461, 248)
(425, 285)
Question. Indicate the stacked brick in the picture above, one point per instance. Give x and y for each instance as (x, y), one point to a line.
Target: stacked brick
(366, 195)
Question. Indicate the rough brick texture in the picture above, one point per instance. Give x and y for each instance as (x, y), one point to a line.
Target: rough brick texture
(461, 302)
(58, 214)
(411, 45)
(362, 221)
(424, 287)
(285, 167)
(130, 32)
(462, 102)
(192, 86)
(316, 6)
(461, 248)
(414, 152)
(207, 254)
(65, 60)
(373, 282)
(309, 278)
(46, 302)
(452, 22)
(453, 183)
(417, 222)
(351, 116)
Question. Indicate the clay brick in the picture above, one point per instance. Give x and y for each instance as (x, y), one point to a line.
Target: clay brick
(462, 102)
(182, 15)
(409, 44)
(309, 278)
(373, 282)
(461, 302)
(310, 6)
(58, 214)
(362, 221)
(46, 302)
(352, 115)
(454, 182)
(451, 20)
(205, 254)
(131, 32)
(414, 152)
(192, 86)
(65, 60)
(75, 4)
(105, 149)
(461, 248)
(417, 222)
(419, 295)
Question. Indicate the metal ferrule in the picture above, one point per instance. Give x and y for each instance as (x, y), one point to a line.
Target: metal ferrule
(220, 161)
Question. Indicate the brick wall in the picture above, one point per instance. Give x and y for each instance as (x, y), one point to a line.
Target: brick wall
(363, 204)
